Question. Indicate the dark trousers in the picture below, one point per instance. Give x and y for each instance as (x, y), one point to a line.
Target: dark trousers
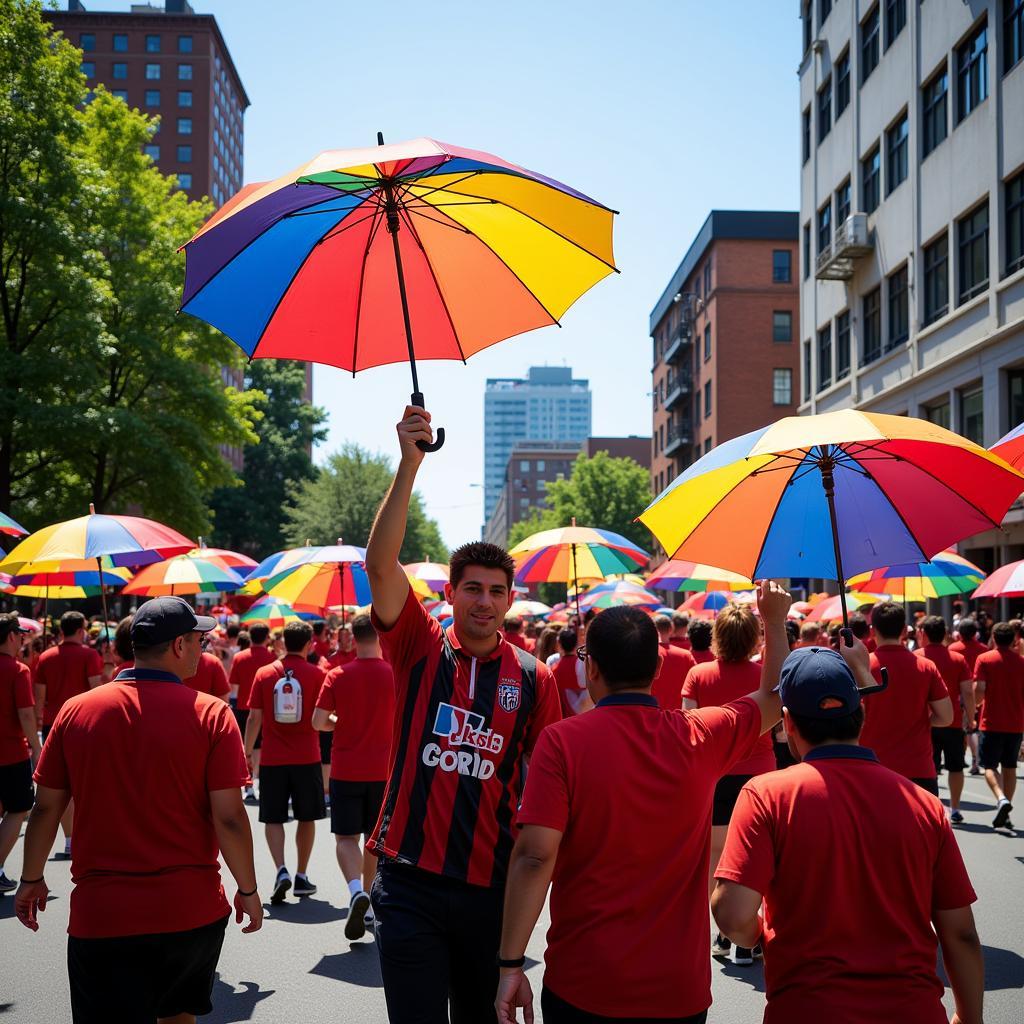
(438, 942)
(558, 1011)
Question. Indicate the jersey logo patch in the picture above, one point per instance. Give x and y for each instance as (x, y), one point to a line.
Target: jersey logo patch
(508, 696)
(464, 728)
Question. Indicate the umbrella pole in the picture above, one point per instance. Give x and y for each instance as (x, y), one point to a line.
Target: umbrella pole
(393, 225)
(576, 586)
(46, 607)
(827, 467)
(103, 598)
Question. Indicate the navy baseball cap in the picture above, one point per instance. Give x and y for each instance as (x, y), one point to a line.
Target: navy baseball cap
(166, 618)
(817, 683)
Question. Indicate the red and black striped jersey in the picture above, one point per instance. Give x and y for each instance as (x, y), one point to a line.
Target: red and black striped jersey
(462, 727)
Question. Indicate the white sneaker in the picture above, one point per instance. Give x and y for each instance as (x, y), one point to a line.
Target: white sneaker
(249, 793)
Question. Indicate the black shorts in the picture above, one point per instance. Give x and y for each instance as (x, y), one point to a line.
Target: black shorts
(998, 749)
(138, 978)
(44, 731)
(303, 784)
(326, 739)
(727, 792)
(558, 1011)
(355, 806)
(948, 746)
(928, 785)
(16, 792)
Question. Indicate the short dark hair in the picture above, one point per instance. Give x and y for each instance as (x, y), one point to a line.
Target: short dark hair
(319, 625)
(479, 552)
(244, 640)
(663, 624)
(155, 651)
(889, 620)
(8, 625)
(71, 623)
(934, 627)
(967, 628)
(1004, 634)
(513, 623)
(258, 632)
(792, 632)
(1016, 624)
(567, 640)
(362, 628)
(589, 615)
(232, 631)
(296, 636)
(623, 643)
(123, 639)
(700, 633)
(680, 620)
(821, 730)
(859, 625)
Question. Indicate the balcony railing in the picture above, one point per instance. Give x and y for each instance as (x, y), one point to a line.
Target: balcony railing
(676, 435)
(676, 386)
(852, 242)
(679, 342)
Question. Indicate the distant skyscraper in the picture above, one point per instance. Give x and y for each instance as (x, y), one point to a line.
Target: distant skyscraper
(549, 405)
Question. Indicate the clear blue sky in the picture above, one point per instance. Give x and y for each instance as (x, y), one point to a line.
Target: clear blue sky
(662, 110)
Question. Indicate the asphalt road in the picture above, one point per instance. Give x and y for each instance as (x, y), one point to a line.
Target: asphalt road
(301, 968)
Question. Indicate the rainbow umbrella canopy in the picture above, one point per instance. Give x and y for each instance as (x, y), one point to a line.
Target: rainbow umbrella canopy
(433, 574)
(945, 575)
(1011, 447)
(185, 574)
(10, 527)
(412, 250)
(682, 574)
(330, 576)
(609, 595)
(831, 495)
(1006, 581)
(274, 613)
(707, 603)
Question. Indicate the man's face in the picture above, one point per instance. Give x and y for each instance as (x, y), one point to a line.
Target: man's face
(479, 602)
(187, 650)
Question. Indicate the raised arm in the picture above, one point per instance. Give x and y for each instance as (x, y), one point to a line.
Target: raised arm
(388, 584)
(773, 603)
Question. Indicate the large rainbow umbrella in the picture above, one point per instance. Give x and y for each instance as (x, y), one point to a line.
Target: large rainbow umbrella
(831, 495)
(682, 574)
(707, 603)
(1011, 447)
(946, 574)
(223, 556)
(346, 259)
(1006, 581)
(280, 562)
(10, 527)
(274, 613)
(328, 576)
(610, 595)
(186, 574)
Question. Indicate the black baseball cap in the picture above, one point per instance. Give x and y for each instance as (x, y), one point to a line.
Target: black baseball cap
(166, 618)
(817, 683)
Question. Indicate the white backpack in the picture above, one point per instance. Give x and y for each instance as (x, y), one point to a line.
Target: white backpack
(288, 699)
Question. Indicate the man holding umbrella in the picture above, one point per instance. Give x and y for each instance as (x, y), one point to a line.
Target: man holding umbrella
(470, 708)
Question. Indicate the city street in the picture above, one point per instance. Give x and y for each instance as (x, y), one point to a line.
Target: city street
(300, 967)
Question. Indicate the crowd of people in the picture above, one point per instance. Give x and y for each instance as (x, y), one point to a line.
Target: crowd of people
(649, 773)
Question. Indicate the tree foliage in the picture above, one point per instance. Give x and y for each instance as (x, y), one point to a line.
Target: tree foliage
(342, 501)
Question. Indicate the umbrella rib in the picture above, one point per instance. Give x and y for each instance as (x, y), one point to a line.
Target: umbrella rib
(453, 227)
(407, 187)
(362, 278)
(335, 209)
(345, 227)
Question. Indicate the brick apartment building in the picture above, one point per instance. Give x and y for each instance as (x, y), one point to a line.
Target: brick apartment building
(726, 338)
(633, 447)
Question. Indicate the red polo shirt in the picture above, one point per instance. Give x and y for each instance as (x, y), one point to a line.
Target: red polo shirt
(143, 864)
(210, 677)
(631, 770)
(15, 693)
(703, 657)
(340, 658)
(567, 680)
(682, 642)
(970, 649)
(65, 671)
(1002, 671)
(362, 697)
(667, 687)
(517, 640)
(288, 742)
(244, 668)
(897, 726)
(841, 832)
(716, 683)
(953, 669)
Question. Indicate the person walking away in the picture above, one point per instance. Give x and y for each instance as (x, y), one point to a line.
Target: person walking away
(547, 644)
(676, 662)
(971, 648)
(999, 682)
(148, 911)
(281, 704)
(732, 674)
(356, 709)
(19, 740)
(810, 635)
(899, 721)
(948, 741)
(861, 629)
(514, 632)
(628, 768)
(63, 672)
(243, 671)
(210, 677)
(470, 709)
(858, 869)
(700, 634)
(346, 650)
(570, 677)
(681, 630)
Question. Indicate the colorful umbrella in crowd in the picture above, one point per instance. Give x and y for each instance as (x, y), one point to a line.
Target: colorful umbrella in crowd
(274, 613)
(279, 562)
(416, 249)
(331, 575)
(1011, 447)
(707, 604)
(528, 609)
(10, 527)
(222, 556)
(185, 574)
(609, 595)
(1006, 581)
(824, 496)
(944, 575)
(433, 574)
(682, 574)
(832, 609)
(441, 610)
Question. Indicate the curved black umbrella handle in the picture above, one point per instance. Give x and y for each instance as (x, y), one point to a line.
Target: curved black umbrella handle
(418, 400)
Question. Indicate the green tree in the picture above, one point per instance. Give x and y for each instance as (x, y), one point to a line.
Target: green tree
(343, 499)
(251, 517)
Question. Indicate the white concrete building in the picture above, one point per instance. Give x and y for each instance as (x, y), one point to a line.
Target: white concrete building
(912, 217)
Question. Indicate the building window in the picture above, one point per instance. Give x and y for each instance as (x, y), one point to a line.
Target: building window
(707, 399)
(895, 20)
(1013, 35)
(807, 371)
(184, 44)
(871, 180)
(824, 228)
(808, 23)
(120, 70)
(120, 42)
(184, 72)
(972, 414)
(152, 44)
(782, 260)
(824, 110)
(184, 154)
(842, 203)
(938, 413)
(87, 41)
(88, 68)
(843, 345)
(1015, 223)
(806, 134)
(524, 465)
(782, 325)
(972, 71)
(935, 101)
(707, 278)
(842, 82)
(782, 387)
(707, 342)
(824, 10)
(152, 97)
(972, 237)
(153, 72)
(824, 357)
(872, 326)
(869, 44)
(184, 180)
(120, 94)
(899, 314)
(896, 154)
(807, 251)
(184, 97)
(153, 152)
(1014, 397)
(936, 279)
(540, 466)
(184, 125)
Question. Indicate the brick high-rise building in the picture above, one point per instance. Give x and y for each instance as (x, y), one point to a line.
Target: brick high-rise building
(726, 338)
